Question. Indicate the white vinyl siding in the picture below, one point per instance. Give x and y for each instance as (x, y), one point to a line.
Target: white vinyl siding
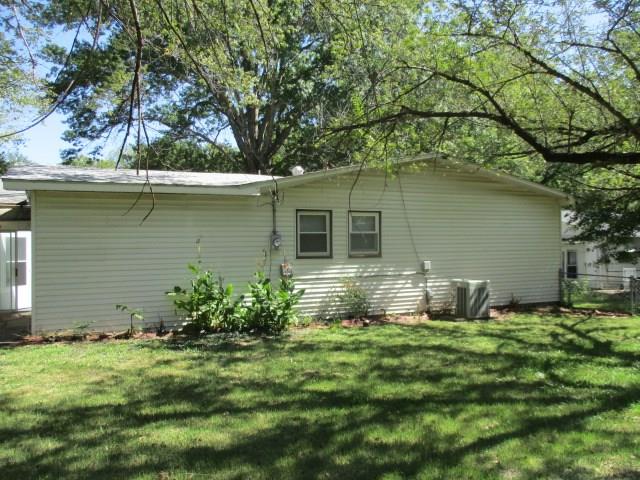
(90, 256)
(468, 227)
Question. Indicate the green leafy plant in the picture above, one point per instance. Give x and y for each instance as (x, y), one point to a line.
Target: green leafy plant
(353, 299)
(81, 327)
(271, 310)
(572, 289)
(208, 304)
(134, 314)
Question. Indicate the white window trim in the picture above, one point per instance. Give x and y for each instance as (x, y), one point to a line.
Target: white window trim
(326, 254)
(366, 253)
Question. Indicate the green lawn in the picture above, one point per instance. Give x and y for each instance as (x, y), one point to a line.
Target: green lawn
(605, 301)
(526, 397)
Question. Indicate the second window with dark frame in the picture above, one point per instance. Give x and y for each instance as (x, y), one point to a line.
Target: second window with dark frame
(364, 234)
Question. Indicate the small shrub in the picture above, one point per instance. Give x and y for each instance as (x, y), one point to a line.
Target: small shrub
(303, 321)
(271, 310)
(514, 303)
(353, 299)
(134, 314)
(82, 327)
(574, 288)
(208, 304)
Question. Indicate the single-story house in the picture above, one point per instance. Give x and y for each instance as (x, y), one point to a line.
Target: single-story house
(585, 261)
(403, 236)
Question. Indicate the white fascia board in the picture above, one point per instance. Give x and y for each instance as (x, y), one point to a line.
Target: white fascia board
(30, 185)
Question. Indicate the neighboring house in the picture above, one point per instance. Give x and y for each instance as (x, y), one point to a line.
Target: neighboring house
(583, 260)
(92, 249)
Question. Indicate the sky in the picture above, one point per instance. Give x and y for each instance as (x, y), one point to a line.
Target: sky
(43, 143)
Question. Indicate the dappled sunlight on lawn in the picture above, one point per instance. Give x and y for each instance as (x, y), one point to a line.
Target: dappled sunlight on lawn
(520, 398)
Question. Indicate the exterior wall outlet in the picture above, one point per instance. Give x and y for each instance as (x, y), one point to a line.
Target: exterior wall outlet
(426, 266)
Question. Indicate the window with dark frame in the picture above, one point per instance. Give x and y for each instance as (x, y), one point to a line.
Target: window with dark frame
(364, 234)
(572, 264)
(313, 233)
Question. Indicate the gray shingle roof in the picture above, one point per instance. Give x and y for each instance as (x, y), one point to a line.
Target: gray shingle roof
(60, 173)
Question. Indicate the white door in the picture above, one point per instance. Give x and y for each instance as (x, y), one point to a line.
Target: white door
(627, 273)
(15, 270)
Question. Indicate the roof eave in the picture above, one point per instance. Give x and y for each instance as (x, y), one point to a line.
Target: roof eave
(565, 199)
(333, 172)
(108, 187)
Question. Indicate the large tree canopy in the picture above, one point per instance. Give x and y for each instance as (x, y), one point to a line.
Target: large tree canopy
(21, 86)
(263, 71)
(563, 79)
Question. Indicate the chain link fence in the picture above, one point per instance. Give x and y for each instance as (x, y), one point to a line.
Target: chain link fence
(634, 287)
(606, 293)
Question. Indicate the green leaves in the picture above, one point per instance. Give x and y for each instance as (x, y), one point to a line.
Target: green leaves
(211, 306)
(208, 304)
(270, 310)
(353, 299)
(261, 71)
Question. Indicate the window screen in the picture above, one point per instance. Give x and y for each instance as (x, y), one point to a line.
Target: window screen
(364, 234)
(314, 233)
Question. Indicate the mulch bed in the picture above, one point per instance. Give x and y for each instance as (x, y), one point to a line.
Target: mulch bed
(66, 337)
(385, 320)
(497, 314)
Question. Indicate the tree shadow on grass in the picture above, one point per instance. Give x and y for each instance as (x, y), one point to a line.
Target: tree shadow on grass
(404, 400)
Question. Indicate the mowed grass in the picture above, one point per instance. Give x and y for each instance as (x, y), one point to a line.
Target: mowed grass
(526, 397)
(605, 301)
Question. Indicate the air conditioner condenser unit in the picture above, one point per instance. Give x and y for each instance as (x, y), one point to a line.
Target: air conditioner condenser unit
(472, 298)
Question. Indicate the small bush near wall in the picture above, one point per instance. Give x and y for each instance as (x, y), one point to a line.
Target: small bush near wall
(353, 299)
(209, 305)
(271, 310)
(573, 288)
